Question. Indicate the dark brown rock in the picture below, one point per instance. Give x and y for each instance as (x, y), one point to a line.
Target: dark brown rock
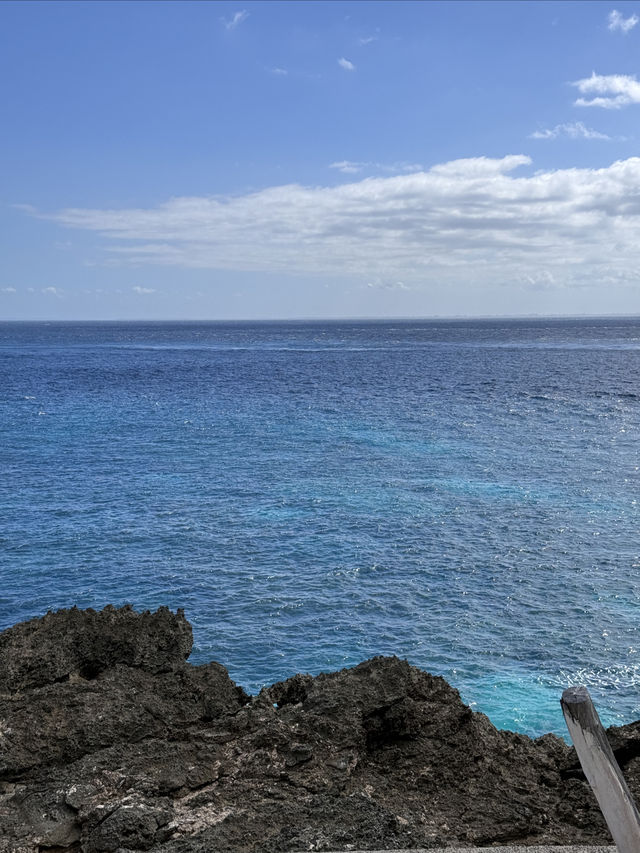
(112, 742)
(59, 723)
(87, 642)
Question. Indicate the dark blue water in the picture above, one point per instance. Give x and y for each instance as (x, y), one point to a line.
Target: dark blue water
(463, 494)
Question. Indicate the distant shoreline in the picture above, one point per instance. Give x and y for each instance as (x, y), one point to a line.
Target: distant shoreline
(332, 320)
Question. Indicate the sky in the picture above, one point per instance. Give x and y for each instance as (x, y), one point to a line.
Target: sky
(285, 160)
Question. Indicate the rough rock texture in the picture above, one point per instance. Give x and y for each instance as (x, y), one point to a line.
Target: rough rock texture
(87, 642)
(110, 741)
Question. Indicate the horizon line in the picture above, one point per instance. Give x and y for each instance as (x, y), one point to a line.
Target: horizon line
(346, 319)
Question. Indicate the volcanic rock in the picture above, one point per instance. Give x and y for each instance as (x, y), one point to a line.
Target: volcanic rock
(87, 642)
(111, 741)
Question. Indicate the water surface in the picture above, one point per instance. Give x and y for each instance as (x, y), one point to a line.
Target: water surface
(463, 494)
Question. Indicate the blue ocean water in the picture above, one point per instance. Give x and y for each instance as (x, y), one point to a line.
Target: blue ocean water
(462, 494)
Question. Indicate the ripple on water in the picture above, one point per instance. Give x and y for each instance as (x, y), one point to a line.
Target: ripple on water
(460, 494)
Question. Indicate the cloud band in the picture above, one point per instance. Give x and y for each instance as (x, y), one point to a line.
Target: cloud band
(472, 220)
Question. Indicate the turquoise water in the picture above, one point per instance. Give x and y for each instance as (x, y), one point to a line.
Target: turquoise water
(463, 494)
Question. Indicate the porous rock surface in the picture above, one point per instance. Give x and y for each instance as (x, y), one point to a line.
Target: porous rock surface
(111, 742)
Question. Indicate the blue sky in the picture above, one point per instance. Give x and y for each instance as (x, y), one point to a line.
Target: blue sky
(319, 159)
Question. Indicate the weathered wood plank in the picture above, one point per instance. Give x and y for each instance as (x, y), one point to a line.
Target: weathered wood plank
(601, 769)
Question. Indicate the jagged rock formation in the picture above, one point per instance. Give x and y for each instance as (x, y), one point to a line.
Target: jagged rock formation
(110, 741)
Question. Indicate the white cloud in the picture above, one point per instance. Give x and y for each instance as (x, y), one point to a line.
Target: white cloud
(349, 167)
(386, 284)
(403, 167)
(143, 290)
(574, 130)
(25, 208)
(238, 18)
(9, 290)
(538, 280)
(619, 90)
(475, 221)
(480, 167)
(617, 22)
(279, 72)
(52, 291)
(344, 63)
(364, 40)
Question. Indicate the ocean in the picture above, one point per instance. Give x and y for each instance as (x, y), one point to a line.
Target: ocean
(460, 493)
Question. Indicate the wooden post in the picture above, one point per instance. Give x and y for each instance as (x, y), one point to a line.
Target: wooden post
(601, 769)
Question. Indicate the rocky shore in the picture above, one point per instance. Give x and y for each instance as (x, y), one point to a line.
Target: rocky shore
(111, 741)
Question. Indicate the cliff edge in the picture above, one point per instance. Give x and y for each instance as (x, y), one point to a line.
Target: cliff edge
(111, 741)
